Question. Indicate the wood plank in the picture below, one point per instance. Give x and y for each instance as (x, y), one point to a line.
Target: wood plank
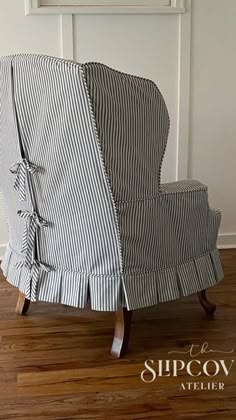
(55, 362)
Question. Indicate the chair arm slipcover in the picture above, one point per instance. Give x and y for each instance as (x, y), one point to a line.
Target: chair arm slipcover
(184, 186)
(196, 223)
(183, 246)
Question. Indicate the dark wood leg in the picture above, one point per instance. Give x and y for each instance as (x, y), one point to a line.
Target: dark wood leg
(122, 330)
(208, 306)
(22, 305)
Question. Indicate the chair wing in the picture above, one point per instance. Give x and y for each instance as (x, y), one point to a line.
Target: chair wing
(133, 125)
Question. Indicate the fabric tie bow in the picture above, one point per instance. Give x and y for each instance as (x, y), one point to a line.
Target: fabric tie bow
(20, 168)
(33, 220)
(32, 284)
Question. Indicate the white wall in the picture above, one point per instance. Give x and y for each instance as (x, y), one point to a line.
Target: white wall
(156, 46)
(213, 105)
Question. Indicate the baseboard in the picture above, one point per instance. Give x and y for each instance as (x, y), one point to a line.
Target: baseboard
(2, 250)
(226, 240)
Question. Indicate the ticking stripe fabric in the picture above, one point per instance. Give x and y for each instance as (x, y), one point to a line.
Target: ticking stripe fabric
(133, 125)
(81, 148)
(20, 168)
(49, 123)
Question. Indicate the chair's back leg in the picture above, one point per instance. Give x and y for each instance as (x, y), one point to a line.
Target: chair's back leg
(122, 331)
(22, 305)
(208, 306)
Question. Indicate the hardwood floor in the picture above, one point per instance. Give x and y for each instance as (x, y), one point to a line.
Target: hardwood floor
(55, 362)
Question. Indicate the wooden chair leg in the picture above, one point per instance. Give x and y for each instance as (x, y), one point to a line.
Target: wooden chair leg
(22, 305)
(122, 330)
(208, 306)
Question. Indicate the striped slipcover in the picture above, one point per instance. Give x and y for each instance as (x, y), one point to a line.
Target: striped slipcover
(81, 148)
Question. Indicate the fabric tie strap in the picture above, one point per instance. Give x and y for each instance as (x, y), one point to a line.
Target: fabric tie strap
(20, 168)
(32, 285)
(33, 220)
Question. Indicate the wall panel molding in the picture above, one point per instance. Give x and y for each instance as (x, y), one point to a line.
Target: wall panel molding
(37, 7)
(67, 37)
(183, 111)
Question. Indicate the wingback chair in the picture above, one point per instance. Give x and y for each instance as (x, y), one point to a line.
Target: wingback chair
(89, 220)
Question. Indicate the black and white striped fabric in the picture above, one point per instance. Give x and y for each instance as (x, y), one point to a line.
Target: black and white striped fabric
(133, 124)
(81, 148)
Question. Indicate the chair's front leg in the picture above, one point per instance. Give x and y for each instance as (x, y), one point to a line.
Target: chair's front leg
(122, 331)
(22, 305)
(208, 306)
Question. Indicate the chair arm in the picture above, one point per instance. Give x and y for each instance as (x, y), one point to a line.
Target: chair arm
(187, 218)
(185, 186)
